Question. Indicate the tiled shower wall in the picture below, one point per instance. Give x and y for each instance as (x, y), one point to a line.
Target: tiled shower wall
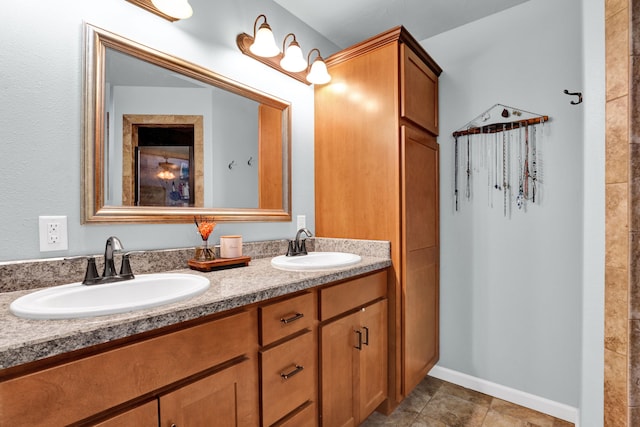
(634, 194)
(622, 281)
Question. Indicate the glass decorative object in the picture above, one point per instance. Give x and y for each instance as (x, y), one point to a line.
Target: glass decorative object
(205, 227)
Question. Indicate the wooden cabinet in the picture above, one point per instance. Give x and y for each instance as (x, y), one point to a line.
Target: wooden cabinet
(288, 361)
(419, 267)
(353, 353)
(224, 398)
(255, 366)
(104, 384)
(376, 174)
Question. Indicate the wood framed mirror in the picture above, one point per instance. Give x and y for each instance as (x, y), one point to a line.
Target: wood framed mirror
(165, 140)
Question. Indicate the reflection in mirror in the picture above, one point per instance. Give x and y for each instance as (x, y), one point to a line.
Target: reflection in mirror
(165, 140)
(148, 142)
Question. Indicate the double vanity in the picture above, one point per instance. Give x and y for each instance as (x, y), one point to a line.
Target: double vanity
(261, 346)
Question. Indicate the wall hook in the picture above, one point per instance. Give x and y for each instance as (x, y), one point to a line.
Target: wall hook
(232, 164)
(578, 94)
(250, 161)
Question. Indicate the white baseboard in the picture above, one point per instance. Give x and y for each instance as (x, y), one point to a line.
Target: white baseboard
(537, 403)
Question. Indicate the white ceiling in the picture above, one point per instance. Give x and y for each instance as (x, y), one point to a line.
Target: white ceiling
(347, 22)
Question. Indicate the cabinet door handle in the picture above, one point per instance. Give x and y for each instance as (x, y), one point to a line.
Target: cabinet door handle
(288, 375)
(359, 345)
(366, 335)
(293, 318)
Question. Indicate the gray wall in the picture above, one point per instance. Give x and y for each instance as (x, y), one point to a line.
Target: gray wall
(41, 110)
(512, 288)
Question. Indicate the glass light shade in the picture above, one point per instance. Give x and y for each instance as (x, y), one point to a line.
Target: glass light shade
(318, 73)
(179, 9)
(293, 60)
(264, 44)
(166, 175)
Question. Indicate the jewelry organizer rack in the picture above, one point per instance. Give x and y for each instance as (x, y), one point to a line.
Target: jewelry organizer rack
(503, 137)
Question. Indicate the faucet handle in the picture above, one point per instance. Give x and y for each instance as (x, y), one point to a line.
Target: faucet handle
(91, 274)
(292, 250)
(125, 266)
(302, 247)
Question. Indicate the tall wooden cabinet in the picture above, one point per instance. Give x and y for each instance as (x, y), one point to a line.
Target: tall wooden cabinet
(376, 173)
(353, 350)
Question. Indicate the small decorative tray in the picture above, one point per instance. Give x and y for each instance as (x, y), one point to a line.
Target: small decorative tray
(219, 263)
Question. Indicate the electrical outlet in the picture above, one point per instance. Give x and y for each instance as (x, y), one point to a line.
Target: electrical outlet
(302, 221)
(53, 233)
(53, 230)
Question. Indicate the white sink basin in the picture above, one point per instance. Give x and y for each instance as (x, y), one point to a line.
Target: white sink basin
(315, 261)
(78, 300)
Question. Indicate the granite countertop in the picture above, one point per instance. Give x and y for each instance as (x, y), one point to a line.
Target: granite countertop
(24, 340)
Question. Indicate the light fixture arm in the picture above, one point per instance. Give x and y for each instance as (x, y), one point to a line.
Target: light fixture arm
(315, 49)
(284, 42)
(263, 25)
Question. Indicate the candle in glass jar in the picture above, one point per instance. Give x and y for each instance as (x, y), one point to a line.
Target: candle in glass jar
(230, 246)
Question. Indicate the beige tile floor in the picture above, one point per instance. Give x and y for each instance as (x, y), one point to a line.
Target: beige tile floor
(437, 403)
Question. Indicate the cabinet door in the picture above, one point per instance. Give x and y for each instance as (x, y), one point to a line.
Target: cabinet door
(420, 255)
(227, 398)
(338, 352)
(145, 415)
(419, 91)
(373, 358)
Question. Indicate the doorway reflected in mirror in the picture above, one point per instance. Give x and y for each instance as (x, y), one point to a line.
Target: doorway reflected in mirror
(162, 160)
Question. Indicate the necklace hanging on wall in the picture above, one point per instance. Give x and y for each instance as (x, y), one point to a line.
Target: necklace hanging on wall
(455, 173)
(516, 142)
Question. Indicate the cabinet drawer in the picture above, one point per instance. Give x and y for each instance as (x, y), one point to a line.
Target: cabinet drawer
(286, 317)
(343, 297)
(303, 417)
(142, 416)
(70, 392)
(288, 377)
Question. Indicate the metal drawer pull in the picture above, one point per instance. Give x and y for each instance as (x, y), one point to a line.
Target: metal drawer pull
(297, 370)
(359, 345)
(366, 335)
(292, 319)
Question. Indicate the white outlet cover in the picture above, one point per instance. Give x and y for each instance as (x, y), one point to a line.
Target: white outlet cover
(302, 221)
(58, 225)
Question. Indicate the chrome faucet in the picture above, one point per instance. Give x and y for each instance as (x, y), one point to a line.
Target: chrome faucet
(297, 246)
(91, 276)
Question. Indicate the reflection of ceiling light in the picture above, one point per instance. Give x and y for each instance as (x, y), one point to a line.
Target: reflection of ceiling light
(180, 9)
(165, 170)
(166, 175)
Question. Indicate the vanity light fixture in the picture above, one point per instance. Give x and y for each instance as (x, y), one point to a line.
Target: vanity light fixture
(264, 44)
(262, 47)
(318, 73)
(292, 59)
